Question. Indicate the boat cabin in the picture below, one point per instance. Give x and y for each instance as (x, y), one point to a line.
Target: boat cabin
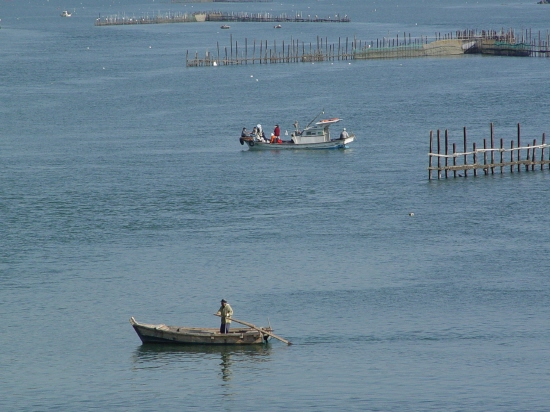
(318, 133)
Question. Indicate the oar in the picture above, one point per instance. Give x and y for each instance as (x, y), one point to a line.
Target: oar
(250, 325)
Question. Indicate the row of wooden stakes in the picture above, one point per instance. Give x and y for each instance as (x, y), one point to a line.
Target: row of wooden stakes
(485, 158)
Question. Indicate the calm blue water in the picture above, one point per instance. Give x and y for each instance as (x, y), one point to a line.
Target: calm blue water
(124, 192)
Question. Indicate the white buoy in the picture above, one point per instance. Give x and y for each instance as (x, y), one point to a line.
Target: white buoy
(411, 214)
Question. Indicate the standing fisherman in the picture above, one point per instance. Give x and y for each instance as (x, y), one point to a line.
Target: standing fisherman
(225, 312)
(277, 132)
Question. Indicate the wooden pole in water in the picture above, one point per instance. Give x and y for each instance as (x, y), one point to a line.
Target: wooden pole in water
(446, 152)
(528, 157)
(465, 155)
(485, 169)
(519, 145)
(289, 54)
(454, 159)
(501, 154)
(534, 157)
(492, 147)
(430, 157)
(475, 160)
(438, 152)
(511, 156)
(542, 152)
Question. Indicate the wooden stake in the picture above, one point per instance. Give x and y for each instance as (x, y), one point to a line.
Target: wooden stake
(475, 160)
(438, 152)
(501, 154)
(446, 151)
(492, 147)
(430, 157)
(519, 145)
(454, 153)
(465, 156)
(542, 150)
(511, 156)
(485, 169)
(533, 158)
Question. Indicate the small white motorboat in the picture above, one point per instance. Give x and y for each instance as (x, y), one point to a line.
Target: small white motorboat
(66, 13)
(316, 135)
(225, 26)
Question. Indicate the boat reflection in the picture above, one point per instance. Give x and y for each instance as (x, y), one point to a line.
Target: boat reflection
(154, 356)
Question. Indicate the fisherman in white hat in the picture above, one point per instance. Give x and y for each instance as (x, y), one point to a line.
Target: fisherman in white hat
(344, 135)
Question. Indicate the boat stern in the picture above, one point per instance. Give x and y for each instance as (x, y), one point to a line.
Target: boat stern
(349, 139)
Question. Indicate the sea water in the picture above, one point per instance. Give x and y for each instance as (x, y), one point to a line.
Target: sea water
(124, 192)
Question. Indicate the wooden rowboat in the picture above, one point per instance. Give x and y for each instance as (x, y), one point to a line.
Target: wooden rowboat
(161, 333)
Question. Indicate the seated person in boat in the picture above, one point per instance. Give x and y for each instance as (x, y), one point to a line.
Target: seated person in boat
(225, 313)
(259, 138)
(260, 131)
(245, 133)
(259, 134)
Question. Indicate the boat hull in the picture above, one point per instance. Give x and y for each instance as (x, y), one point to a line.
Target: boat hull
(332, 144)
(149, 333)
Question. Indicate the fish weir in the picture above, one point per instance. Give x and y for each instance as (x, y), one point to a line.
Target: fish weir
(217, 16)
(489, 158)
(259, 52)
(221, 1)
(490, 42)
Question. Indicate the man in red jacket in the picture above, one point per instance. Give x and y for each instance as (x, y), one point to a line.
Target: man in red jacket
(277, 133)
